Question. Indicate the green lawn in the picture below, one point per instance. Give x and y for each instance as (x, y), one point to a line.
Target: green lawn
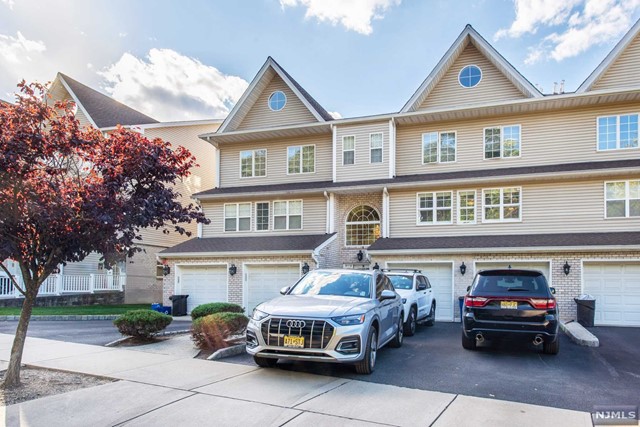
(77, 310)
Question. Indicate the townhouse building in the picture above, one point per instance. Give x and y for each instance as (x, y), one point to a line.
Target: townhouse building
(478, 169)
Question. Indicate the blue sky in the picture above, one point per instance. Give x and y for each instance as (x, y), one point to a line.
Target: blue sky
(178, 60)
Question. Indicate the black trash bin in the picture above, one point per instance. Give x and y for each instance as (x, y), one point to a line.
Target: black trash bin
(586, 310)
(179, 307)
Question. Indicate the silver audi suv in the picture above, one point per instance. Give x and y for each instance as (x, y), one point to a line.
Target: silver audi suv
(341, 316)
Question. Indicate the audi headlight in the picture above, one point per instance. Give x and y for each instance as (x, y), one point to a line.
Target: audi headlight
(354, 319)
(258, 315)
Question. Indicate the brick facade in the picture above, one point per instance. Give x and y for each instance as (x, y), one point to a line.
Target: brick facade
(345, 203)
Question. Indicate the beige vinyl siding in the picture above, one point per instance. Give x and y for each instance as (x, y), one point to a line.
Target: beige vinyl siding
(362, 169)
(202, 177)
(261, 116)
(623, 72)
(89, 265)
(314, 213)
(59, 93)
(276, 161)
(568, 136)
(562, 207)
(493, 87)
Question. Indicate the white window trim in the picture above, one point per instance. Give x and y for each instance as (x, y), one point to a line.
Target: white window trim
(355, 140)
(627, 200)
(502, 156)
(501, 205)
(287, 215)
(224, 217)
(314, 159)
(381, 148)
(253, 163)
(617, 116)
(255, 225)
(455, 157)
(283, 105)
(479, 81)
(435, 209)
(346, 223)
(459, 207)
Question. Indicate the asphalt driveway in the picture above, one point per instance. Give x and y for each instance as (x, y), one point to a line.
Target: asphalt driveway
(577, 378)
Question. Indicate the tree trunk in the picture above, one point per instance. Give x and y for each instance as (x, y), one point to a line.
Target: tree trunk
(12, 376)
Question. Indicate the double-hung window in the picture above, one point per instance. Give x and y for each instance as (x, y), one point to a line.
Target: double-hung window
(287, 215)
(375, 147)
(348, 150)
(262, 216)
(618, 132)
(467, 207)
(622, 199)
(502, 142)
(301, 159)
(502, 204)
(438, 147)
(253, 163)
(435, 207)
(237, 217)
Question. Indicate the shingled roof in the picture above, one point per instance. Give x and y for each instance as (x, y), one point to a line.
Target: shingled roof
(105, 112)
(248, 244)
(493, 242)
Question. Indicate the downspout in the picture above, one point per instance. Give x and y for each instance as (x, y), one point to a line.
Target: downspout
(335, 150)
(327, 219)
(385, 213)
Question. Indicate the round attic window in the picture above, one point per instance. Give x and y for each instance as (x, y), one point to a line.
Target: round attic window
(277, 100)
(470, 76)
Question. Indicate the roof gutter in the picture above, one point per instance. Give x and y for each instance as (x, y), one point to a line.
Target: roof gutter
(525, 249)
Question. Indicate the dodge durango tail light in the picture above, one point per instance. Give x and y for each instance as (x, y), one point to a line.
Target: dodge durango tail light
(475, 301)
(543, 303)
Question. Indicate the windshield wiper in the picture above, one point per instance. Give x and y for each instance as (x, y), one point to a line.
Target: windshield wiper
(517, 290)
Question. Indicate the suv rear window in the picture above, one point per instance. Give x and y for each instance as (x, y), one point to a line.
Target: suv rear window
(401, 282)
(510, 282)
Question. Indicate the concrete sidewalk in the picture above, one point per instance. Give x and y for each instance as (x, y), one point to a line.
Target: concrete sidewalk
(162, 389)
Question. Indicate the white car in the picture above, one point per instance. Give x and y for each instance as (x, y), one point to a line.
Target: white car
(417, 296)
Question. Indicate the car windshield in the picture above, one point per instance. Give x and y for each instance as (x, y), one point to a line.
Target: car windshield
(339, 283)
(506, 282)
(401, 282)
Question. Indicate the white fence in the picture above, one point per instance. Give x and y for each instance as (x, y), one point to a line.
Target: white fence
(58, 284)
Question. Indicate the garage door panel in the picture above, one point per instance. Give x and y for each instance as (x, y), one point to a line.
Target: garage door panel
(440, 276)
(203, 284)
(263, 282)
(616, 287)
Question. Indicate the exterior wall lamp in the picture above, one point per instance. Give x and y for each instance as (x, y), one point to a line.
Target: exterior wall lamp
(233, 270)
(376, 266)
(166, 270)
(566, 268)
(360, 255)
(463, 268)
(305, 268)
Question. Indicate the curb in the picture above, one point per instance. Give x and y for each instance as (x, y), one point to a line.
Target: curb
(116, 342)
(578, 334)
(228, 352)
(63, 317)
(169, 333)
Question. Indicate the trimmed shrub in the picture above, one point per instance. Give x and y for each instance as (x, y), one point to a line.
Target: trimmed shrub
(142, 324)
(215, 307)
(211, 331)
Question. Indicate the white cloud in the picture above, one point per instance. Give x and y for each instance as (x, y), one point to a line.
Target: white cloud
(335, 114)
(354, 15)
(16, 50)
(170, 86)
(585, 23)
(9, 3)
(122, 34)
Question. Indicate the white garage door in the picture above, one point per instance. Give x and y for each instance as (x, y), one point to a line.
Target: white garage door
(203, 284)
(264, 282)
(540, 266)
(616, 287)
(441, 278)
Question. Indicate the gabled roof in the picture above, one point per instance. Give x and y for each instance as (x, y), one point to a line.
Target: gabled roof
(609, 59)
(469, 35)
(258, 84)
(101, 110)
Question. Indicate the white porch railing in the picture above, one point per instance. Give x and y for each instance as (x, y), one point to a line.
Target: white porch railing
(58, 284)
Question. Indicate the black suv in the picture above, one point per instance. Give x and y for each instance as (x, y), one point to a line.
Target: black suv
(512, 304)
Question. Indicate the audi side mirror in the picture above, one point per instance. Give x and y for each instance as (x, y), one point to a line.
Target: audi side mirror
(285, 290)
(387, 294)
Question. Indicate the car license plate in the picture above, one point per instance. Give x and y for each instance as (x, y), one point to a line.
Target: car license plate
(292, 341)
(509, 304)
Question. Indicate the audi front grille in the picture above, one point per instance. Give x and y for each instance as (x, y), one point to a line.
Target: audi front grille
(316, 333)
